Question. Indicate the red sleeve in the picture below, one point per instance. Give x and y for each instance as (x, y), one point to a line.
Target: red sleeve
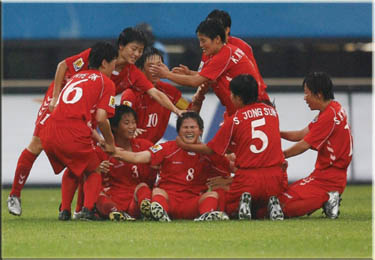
(139, 81)
(172, 92)
(222, 138)
(107, 100)
(217, 65)
(158, 153)
(320, 129)
(128, 98)
(220, 164)
(78, 62)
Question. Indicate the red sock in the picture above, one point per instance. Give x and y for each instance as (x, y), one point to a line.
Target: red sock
(91, 189)
(301, 207)
(208, 204)
(80, 196)
(69, 185)
(24, 165)
(221, 193)
(143, 192)
(105, 205)
(161, 200)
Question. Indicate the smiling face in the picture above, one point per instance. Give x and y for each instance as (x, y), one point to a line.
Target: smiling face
(131, 52)
(209, 46)
(126, 127)
(189, 131)
(150, 61)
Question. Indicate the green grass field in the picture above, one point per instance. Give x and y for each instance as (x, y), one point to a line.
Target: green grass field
(38, 233)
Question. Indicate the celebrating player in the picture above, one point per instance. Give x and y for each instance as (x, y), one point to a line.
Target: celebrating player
(225, 62)
(254, 128)
(181, 192)
(126, 187)
(67, 138)
(329, 134)
(152, 117)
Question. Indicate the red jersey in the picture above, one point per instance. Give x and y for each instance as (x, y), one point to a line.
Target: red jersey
(131, 77)
(152, 116)
(254, 129)
(123, 175)
(222, 67)
(329, 134)
(186, 171)
(249, 53)
(82, 95)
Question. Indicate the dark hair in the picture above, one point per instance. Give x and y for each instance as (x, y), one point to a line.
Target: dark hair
(148, 52)
(189, 114)
(99, 52)
(120, 111)
(319, 82)
(246, 87)
(221, 16)
(211, 29)
(129, 35)
(147, 31)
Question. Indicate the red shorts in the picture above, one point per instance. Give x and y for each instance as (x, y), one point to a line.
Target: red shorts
(70, 145)
(183, 205)
(261, 183)
(316, 185)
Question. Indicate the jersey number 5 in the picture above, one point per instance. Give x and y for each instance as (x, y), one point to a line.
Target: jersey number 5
(258, 134)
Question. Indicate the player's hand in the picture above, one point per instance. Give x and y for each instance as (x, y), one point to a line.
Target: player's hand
(160, 71)
(52, 104)
(109, 148)
(284, 165)
(180, 142)
(139, 131)
(179, 112)
(182, 69)
(105, 166)
(219, 182)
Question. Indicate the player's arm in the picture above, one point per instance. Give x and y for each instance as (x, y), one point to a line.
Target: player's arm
(105, 129)
(184, 70)
(194, 80)
(197, 148)
(132, 157)
(163, 100)
(62, 67)
(294, 136)
(296, 149)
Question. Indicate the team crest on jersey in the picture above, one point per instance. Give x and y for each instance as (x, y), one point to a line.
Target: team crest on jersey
(156, 148)
(127, 103)
(78, 64)
(112, 102)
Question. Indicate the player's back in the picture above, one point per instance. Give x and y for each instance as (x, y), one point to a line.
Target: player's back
(81, 95)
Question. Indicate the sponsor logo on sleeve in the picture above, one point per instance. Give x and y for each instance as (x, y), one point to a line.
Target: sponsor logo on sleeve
(127, 103)
(78, 64)
(156, 148)
(112, 102)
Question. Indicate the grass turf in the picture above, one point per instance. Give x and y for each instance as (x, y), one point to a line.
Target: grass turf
(38, 233)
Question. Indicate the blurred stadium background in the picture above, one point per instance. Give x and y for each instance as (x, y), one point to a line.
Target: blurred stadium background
(288, 40)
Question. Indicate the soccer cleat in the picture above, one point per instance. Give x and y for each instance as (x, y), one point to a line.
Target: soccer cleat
(14, 205)
(87, 214)
(65, 215)
(158, 213)
(274, 209)
(331, 207)
(202, 217)
(145, 209)
(244, 210)
(77, 215)
(120, 216)
(216, 215)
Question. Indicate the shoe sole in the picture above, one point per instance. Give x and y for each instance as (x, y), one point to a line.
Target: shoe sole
(146, 208)
(274, 208)
(158, 212)
(242, 213)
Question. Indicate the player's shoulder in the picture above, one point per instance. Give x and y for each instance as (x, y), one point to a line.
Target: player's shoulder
(141, 143)
(167, 88)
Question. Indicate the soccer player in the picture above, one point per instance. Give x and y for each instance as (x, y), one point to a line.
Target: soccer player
(328, 134)
(254, 128)
(152, 117)
(126, 187)
(225, 61)
(181, 192)
(130, 47)
(67, 138)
